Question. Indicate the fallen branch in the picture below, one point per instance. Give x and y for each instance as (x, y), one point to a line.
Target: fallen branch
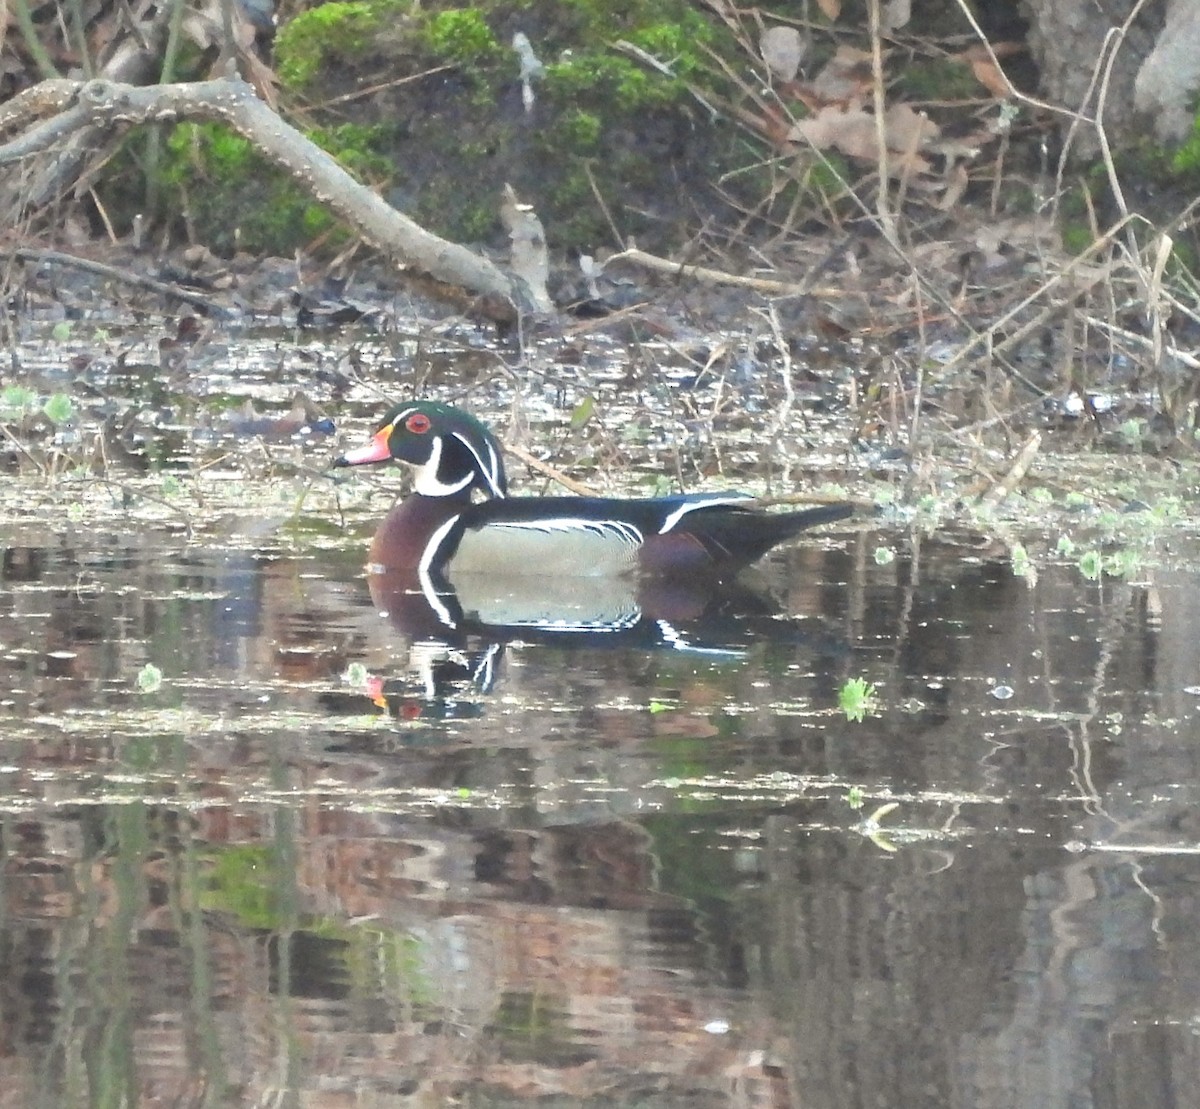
(128, 277)
(715, 277)
(1016, 472)
(109, 106)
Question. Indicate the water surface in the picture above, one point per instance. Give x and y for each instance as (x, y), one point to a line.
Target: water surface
(326, 859)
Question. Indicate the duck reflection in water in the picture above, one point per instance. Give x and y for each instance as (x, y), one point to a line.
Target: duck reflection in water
(461, 564)
(460, 632)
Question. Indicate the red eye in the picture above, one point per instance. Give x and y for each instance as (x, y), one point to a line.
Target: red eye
(417, 423)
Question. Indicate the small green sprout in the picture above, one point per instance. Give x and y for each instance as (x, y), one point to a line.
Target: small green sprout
(857, 698)
(855, 797)
(1019, 559)
(356, 675)
(884, 556)
(149, 678)
(583, 412)
(16, 400)
(660, 706)
(1091, 565)
(59, 408)
(1124, 563)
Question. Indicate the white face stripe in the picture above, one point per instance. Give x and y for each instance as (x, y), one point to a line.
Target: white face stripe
(691, 506)
(488, 467)
(427, 483)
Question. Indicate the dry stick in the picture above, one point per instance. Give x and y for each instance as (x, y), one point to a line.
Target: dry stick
(1015, 93)
(1068, 270)
(612, 224)
(128, 277)
(887, 219)
(1117, 37)
(1018, 469)
(716, 277)
(785, 354)
(1190, 360)
(22, 448)
(583, 490)
(550, 472)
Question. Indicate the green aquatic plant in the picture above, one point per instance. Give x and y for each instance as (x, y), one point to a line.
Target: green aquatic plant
(857, 698)
(17, 401)
(149, 679)
(59, 408)
(1091, 565)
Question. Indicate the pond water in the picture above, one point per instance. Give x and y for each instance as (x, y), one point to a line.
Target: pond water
(647, 871)
(271, 835)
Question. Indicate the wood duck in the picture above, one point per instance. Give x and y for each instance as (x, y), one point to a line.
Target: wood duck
(445, 535)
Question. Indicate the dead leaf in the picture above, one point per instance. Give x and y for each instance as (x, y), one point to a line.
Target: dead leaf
(909, 130)
(987, 72)
(846, 75)
(782, 48)
(853, 132)
(830, 9)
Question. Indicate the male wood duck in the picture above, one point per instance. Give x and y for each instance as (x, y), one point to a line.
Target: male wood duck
(443, 534)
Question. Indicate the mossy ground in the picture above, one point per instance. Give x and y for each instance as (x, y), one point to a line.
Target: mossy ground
(603, 126)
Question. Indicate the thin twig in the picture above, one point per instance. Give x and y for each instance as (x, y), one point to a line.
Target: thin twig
(549, 471)
(717, 277)
(56, 257)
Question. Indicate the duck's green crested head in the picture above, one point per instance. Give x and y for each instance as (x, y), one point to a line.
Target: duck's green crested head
(451, 451)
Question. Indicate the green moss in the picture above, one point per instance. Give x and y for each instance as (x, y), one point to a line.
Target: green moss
(343, 28)
(600, 78)
(579, 130)
(211, 171)
(460, 36)
(937, 79)
(224, 154)
(677, 42)
(356, 146)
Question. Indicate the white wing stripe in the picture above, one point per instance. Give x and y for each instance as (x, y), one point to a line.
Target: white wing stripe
(618, 529)
(691, 506)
